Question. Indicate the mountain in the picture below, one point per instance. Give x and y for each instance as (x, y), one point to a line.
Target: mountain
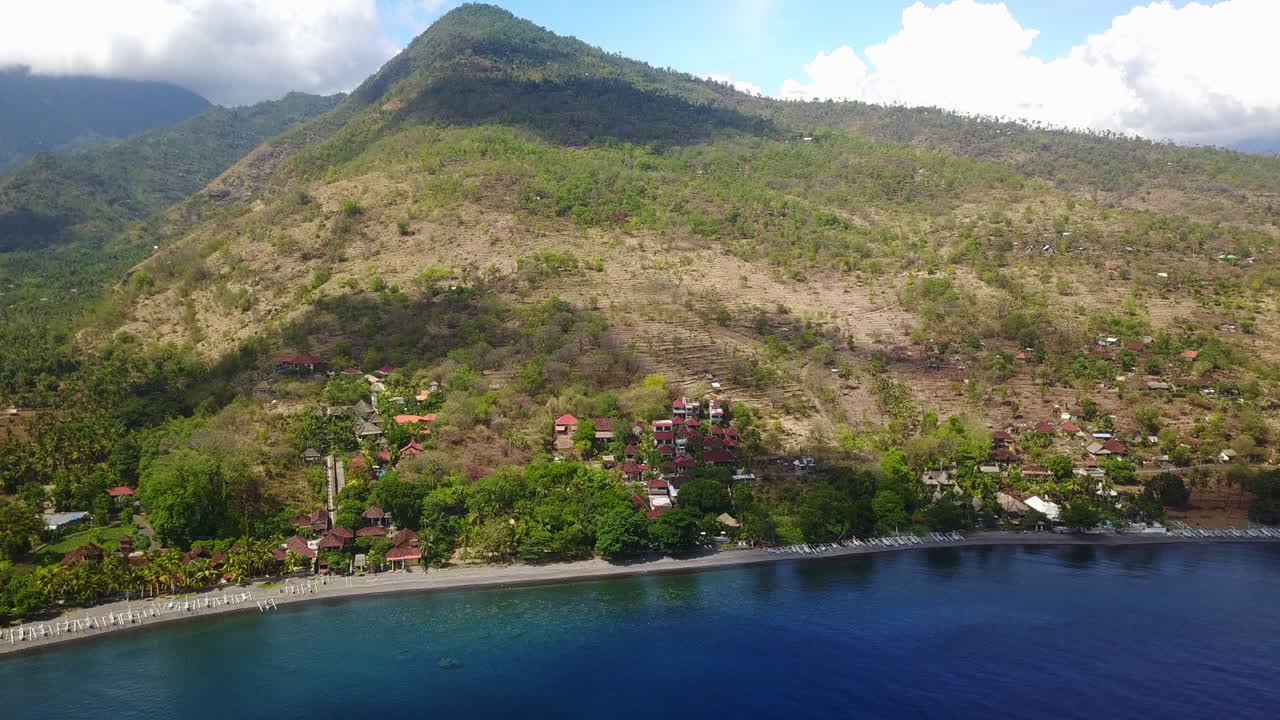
(58, 198)
(71, 224)
(843, 267)
(46, 113)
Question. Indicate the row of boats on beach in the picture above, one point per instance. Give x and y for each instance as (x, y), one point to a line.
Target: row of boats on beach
(1251, 533)
(36, 631)
(887, 541)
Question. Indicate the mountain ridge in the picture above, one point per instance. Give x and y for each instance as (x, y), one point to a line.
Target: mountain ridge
(46, 113)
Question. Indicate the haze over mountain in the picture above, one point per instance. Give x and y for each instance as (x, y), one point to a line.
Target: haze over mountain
(43, 113)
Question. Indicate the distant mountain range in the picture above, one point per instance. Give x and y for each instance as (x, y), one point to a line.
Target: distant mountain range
(40, 113)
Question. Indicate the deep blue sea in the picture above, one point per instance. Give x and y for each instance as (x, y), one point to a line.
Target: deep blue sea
(1028, 632)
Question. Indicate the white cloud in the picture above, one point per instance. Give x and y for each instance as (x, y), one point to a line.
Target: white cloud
(739, 85)
(230, 51)
(1200, 73)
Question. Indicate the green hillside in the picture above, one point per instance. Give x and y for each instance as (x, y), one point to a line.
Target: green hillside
(503, 226)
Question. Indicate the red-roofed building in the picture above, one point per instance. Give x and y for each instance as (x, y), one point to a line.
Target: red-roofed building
(121, 491)
(317, 521)
(566, 423)
(413, 449)
(1115, 447)
(404, 555)
(1001, 437)
(678, 407)
(384, 371)
(1190, 354)
(682, 463)
(656, 513)
(1135, 346)
(1032, 471)
(630, 451)
(604, 428)
(299, 546)
(85, 553)
(664, 437)
(720, 457)
(351, 371)
(411, 419)
(342, 532)
(332, 541)
(198, 551)
(374, 515)
(299, 363)
(1045, 427)
(666, 450)
(1022, 357)
(1004, 455)
(405, 538)
(632, 470)
(659, 487)
(1070, 427)
(640, 502)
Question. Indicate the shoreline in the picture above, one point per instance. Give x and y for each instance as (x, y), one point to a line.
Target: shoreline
(515, 575)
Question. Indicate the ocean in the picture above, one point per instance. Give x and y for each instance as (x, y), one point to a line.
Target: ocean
(1175, 631)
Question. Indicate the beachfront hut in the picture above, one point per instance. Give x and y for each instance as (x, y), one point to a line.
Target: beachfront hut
(1011, 504)
(404, 556)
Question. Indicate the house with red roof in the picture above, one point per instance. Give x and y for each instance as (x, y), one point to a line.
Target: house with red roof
(604, 428)
(404, 555)
(562, 432)
(720, 457)
(656, 513)
(630, 452)
(1045, 427)
(299, 546)
(85, 553)
(412, 450)
(304, 363)
(632, 470)
(1004, 455)
(384, 371)
(1070, 427)
(1001, 437)
(121, 491)
(405, 538)
(317, 521)
(1190, 354)
(1115, 447)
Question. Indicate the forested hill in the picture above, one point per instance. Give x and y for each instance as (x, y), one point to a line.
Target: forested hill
(59, 198)
(44, 113)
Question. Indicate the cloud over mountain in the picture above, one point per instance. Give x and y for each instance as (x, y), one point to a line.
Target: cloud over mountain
(1199, 73)
(230, 51)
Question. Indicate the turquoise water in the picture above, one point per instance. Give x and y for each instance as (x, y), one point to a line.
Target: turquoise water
(1161, 632)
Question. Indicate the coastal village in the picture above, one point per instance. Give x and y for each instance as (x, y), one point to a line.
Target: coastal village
(1078, 447)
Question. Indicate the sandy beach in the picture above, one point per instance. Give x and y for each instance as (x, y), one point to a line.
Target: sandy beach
(296, 590)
